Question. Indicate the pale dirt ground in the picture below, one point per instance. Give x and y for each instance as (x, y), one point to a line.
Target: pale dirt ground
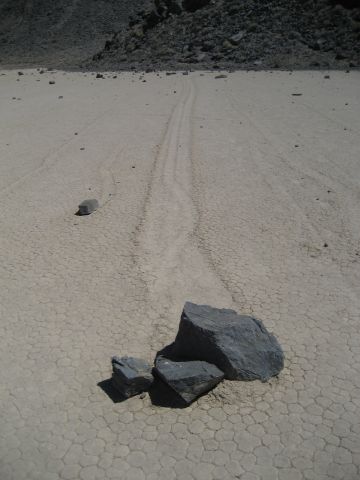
(221, 208)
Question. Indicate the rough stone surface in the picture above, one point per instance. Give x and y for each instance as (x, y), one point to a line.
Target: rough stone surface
(131, 376)
(189, 379)
(88, 206)
(239, 345)
(246, 34)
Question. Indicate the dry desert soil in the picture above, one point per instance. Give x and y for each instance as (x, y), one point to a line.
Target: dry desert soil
(231, 191)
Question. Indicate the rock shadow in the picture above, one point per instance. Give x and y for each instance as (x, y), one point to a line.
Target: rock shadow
(160, 394)
(163, 396)
(108, 388)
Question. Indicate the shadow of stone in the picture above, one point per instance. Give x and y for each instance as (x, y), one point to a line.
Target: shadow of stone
(160, 394)
(163, 396)
(169, 352)
(114, 395)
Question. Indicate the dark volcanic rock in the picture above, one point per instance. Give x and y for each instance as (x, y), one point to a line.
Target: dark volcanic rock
(88, 206)
(188, 379)
(131, 376)
(178, 34)
(230, 33)
(237, 344)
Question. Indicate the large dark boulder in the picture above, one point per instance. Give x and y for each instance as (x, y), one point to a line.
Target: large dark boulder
(188, 379)
(238, 345)
(131, 376)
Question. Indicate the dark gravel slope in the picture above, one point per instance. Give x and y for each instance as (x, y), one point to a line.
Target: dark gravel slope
(59, 32)
(122, 34)
(240, 34)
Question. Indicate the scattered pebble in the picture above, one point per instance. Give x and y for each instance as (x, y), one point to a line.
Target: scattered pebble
(88, 206)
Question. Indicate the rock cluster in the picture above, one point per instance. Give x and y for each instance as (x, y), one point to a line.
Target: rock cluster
(238, 34)
(211, 344)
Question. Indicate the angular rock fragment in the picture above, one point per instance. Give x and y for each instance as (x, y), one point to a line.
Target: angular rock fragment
(188, 379)
(88, 206)
(235, 39)
(131, 376)
(237, 344)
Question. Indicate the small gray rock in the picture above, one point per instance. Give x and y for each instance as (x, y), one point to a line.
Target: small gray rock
(235, 39)
(88, 206)
(188, 379)
(221, 76)
(237, 344)
(131, 376)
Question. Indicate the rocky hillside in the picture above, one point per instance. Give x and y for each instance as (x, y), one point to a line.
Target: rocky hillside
(238, 33)
(59, 32)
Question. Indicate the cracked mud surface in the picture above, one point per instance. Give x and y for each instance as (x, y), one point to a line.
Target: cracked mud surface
(221, 208)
